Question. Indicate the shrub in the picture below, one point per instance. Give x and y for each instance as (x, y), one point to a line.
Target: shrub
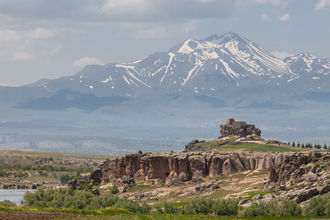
(159, 209)
(289, 208)
(103, 201)
(133, 206)
(261, 209)
(317, 206)
(65, 178)
(169, 209)
(7, 203)
(79, 200)
(201, 206)
(208, 206)
(67, 198)
(225, 207)
(114, 190)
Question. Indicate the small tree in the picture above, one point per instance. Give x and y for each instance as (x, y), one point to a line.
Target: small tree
(302, 145)
(65, 178)
(298, 145)
(325, 147)
(293, 144)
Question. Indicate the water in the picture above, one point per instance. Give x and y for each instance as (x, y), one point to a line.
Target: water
(14, 195)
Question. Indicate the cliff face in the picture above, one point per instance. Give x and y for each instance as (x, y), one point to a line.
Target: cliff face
(301, 177)
(167, 168)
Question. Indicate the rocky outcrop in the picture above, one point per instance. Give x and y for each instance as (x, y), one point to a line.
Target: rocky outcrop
(191, 146)
(154, 168)
(238, 128)
(300, 176)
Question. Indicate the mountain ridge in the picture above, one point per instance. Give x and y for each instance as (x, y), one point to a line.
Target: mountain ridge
(220, 70)
(226, 59)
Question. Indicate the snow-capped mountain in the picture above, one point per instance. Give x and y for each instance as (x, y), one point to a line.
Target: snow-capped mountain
(211, 67)
(305, 63)
(216, 60)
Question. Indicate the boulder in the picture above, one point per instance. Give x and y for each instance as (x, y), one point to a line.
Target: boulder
(96, 176)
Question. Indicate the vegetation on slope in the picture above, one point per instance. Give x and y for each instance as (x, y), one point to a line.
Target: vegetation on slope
(256, 148)
(85, 203)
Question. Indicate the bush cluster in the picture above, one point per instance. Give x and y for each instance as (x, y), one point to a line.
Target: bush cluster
(284, 208)
(84, 200)
(65, 178)
(77, 199)
(167, 209)
(317, 206)
(208, 206)
(7, 203)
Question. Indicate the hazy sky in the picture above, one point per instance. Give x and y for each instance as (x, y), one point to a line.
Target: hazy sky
(53, 38)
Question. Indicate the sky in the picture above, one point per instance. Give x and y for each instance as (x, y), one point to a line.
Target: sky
(48, 39)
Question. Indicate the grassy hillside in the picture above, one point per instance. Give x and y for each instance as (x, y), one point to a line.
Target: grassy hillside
(257, 146)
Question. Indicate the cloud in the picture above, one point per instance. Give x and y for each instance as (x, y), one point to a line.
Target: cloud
(205, 1)
(111, 7)
(7, 35)
(162, 30)
(266, 18)
(16, 51)
(128, 11)
(285, 17)
(18, 45)
(281, 54)
(116, 10)
(22, 55)
(84, 61)
(322, 4)
(56, 49)
(283, 4)
(40, 33)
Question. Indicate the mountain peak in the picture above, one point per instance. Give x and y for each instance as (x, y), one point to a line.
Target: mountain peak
(301, 56)
(226, 37)
(306, 55)
(188, 46)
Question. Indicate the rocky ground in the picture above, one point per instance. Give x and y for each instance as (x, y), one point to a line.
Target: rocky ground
(230, 186)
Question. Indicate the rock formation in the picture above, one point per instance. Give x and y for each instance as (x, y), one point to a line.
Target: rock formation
(154, 168)
(238, 128)
(300, 177)
(292, 175)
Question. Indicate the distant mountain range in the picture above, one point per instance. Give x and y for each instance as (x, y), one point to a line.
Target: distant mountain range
(220, 65)
(170, 97)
